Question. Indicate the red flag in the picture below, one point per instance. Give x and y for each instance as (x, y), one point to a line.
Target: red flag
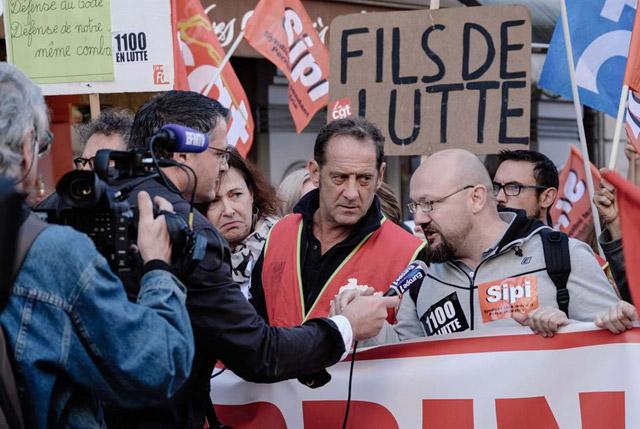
(572, 212)
(628, 199)
(282, 31)
(632, 120)
(201, 55)
(632, 73)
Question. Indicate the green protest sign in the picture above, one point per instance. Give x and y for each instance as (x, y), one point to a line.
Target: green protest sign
(57, 41)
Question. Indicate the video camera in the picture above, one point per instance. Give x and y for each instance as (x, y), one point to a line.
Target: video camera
(95, 203)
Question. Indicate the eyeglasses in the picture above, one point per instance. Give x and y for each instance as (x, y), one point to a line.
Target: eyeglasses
(427, 206)
(45, 144)
(513, 189)
(222, 154)
(81, 162)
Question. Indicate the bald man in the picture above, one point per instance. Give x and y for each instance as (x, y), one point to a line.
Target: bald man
(487, 267)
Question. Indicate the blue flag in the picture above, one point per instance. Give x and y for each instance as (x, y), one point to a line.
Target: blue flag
(600, 35)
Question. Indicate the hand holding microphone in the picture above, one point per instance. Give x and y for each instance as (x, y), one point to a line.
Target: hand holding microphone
(367, 312)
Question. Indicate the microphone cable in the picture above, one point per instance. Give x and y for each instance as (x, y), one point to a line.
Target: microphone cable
(353, 361)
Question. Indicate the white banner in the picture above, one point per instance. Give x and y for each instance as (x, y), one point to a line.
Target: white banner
(142, 51)
(580, 378)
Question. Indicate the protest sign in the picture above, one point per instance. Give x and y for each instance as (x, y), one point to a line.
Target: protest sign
(139, 55)
(283, 32)
(572, 213)
(60, 40)
(435, 79)
(580, 378)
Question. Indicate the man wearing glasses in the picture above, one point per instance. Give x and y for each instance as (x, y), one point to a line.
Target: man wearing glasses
(526, 180)
(488, 268)
(226, 326)
(109, 131)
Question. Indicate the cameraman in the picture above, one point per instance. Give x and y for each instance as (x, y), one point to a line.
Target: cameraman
(74, 337)
(225, 325)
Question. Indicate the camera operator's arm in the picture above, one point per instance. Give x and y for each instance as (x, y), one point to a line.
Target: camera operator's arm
(254, 350)
(132, 354)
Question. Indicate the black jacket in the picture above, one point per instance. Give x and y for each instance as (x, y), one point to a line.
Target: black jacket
(227, 328)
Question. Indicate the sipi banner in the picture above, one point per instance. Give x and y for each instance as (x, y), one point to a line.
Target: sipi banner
(282, 31)
(201, 55)
(436, 79)
(571, 213)
(580, 378)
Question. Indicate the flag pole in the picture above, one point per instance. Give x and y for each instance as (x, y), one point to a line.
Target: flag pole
(581, 133)
(224, 61)
(433, 5)
(613, 156)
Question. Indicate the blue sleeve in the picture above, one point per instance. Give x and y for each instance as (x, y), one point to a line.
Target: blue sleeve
(126, 353)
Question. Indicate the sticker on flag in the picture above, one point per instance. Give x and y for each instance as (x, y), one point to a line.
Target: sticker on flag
(600, 36)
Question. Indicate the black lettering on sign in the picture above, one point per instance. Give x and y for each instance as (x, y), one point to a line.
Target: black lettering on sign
(432, 55)
(362, 103)
(505, 47)
(345, 53)
(416, 118)
(395, 60)
(466, 51)
(445, 317)
(482, 87)
(131, 47)
(379, 54)
(506, 113)
(444, 104)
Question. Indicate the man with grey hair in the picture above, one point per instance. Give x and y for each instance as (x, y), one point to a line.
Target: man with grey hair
(110, 130)
(488, 268)
(84, 342)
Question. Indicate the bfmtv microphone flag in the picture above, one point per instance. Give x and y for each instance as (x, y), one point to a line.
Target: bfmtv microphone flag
(282, 31)
(201, 54)
(600, 36)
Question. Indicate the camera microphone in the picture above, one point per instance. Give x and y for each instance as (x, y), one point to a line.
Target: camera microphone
(414, 273)
(178, 138)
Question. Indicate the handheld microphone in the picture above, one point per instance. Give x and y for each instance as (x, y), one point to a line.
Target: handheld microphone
(178, 138)
(414, 273)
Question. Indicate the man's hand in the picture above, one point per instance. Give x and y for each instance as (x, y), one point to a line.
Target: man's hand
(618, 318)
(605, 201)
(543, 320)
(339, 302)
(367, 314)
(153, 236)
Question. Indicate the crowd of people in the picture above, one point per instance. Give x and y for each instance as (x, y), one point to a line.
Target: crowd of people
(289, 278)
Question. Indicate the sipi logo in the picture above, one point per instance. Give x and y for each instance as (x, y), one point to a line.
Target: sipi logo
(158, 75)
(305, 68)
(508, 293)
(341, 109)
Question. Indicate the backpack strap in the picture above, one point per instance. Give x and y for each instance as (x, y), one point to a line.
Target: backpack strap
(555, 245)
(29, 231)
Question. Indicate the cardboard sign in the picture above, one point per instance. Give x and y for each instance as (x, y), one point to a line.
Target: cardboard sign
(138, 41)
(60, 40)
(500, 299)
(433, 80)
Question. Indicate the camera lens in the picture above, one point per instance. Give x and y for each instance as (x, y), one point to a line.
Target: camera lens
(80, 189)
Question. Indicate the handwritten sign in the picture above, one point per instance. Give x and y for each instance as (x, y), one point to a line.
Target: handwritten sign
(432, 80)
(56, 41)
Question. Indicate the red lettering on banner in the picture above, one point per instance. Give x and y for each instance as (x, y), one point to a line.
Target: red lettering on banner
(447, 413)
(256, 415)
(602, 410)
(362, 415)
(525, 413)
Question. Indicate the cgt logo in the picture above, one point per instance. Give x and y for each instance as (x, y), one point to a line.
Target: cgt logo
(341, 109)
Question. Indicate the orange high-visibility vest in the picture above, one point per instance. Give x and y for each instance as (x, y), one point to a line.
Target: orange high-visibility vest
(376, 261)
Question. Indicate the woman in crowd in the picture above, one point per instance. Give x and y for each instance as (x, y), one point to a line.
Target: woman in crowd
(292, 188)
(243, 211)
